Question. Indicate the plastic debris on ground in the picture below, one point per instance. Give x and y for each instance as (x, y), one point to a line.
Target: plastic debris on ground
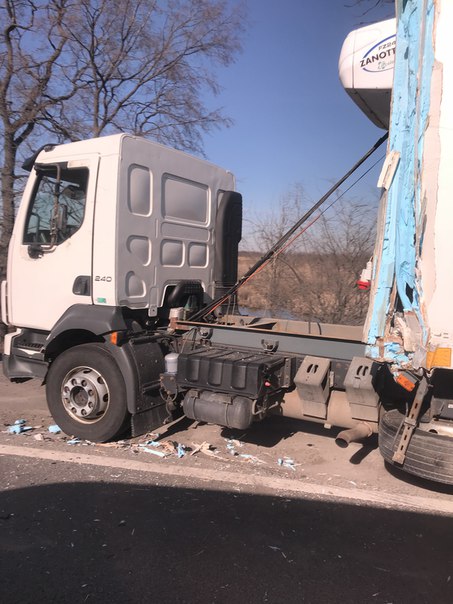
(73, 441)
(232, 444)
(166, 448)
(155, 452)
(19, 427)
(79, 441)
(287, 462)
(231, 448)
(278, 549)
(152, 443)
(158, 448)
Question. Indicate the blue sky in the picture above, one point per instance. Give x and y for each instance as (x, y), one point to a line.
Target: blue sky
(293, 122)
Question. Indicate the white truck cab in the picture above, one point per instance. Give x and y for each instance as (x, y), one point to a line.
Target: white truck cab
(111, 234)
(112, 222)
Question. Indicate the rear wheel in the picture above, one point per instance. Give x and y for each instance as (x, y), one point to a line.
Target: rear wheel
(86, 393)
(428, 455)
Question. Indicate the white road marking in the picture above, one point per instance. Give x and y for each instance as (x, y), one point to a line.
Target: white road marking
(276, 485)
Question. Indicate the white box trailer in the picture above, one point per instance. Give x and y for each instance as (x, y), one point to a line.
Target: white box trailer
(410, 319)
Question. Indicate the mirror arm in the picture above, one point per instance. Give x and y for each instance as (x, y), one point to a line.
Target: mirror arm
(55, 211)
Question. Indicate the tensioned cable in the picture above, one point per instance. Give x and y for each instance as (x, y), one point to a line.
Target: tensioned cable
(288, 238)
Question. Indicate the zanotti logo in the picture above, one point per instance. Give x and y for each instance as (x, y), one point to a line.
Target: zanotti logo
(381, 56)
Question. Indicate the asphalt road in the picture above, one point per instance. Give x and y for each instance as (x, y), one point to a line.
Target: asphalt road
(75, 535)
(115, 524)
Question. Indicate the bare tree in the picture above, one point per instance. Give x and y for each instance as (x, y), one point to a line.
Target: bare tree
(264, 230)
(315, 278)
(32, 81)
(337, 251)
(97, 66)
(149, 71)
(369, 6)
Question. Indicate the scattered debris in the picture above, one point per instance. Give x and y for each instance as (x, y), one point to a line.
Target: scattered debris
(251, 458)
(19, 427)
(121, 444)
(154, 452)
(286, 462)
(151, 443)
(231, 447)
(54, 429)
(205, 448)
(152, 435)
(38, 436)
(73, 441)
(167, 448)
(278, 549)
(232, 444)
(236, 442)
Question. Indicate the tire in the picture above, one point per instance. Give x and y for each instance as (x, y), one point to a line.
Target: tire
(86, 393)
(428, 455)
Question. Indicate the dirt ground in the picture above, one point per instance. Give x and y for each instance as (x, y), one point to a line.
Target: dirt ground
(277, 448)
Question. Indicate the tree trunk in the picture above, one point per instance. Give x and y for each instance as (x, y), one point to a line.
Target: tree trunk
(7, 195)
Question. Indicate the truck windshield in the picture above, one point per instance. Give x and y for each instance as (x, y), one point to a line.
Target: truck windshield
(71, 205)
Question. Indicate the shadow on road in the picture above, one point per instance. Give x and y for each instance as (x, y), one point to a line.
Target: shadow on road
(120, 543)
(428, 485)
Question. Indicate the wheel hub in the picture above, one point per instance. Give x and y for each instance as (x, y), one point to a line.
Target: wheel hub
(85, 394)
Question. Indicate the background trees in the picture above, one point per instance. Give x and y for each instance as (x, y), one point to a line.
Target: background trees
(315, 278)
(71, 70)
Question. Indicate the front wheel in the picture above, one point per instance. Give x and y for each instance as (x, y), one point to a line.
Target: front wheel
(86, 394)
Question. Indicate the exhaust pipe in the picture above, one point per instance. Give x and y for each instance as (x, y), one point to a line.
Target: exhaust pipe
(359, 431)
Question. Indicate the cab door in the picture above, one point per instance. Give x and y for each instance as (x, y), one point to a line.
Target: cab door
(50, 255)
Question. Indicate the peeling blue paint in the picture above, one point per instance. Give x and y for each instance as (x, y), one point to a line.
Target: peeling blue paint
(410, 108)
(392, 352)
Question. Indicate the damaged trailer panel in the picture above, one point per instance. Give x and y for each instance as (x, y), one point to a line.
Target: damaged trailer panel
(410, 318)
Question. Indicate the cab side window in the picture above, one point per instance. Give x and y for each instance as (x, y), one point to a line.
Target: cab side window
(60, 214)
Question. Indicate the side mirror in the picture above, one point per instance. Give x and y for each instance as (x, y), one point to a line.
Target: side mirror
(35, 250)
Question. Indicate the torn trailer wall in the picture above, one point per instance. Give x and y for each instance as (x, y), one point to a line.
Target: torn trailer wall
(410, 319)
